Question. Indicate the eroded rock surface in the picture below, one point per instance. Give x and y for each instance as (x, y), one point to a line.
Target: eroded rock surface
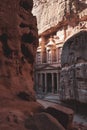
(63, 114)
(18, 42)
(43, 121)
(64, 19)
(18, 39)
(73, 82)
(54, 14)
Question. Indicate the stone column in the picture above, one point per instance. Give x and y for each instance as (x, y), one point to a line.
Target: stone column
(36, 81)
(58, 82)
(52, 83)
(45, 82)
(57, 53)
(41, 57)
(41, 81)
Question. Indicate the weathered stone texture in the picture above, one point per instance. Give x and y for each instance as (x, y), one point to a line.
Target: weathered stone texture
(18, 39)
(73, 83)
(66, 18)
(18, 42)
(63, 114)
(56, 13)
(43, 121)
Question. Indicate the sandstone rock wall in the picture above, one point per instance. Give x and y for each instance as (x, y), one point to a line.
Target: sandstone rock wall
(18, 41)
(65, 18)
(73, 79)
(51, 15)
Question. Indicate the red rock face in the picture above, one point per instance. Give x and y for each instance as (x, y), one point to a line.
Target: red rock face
(18, 39)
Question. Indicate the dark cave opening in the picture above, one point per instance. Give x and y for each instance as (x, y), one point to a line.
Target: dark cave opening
(24, 4)
(27, 38)
(22, 25)
(6, 49)
(27, 54)
(23, 96)
(4, 38)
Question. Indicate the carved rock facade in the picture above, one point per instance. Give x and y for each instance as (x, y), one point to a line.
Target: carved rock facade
(73, 79)
(54, 14)
(67, 19)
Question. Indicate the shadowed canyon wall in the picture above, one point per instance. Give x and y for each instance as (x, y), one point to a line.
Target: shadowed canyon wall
(18, 42)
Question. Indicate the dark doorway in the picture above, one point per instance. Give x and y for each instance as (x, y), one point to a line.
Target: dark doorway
(49, 82)
(43, 82)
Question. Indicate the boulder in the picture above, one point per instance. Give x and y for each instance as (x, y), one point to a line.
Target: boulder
(63, 114)
(43, 121)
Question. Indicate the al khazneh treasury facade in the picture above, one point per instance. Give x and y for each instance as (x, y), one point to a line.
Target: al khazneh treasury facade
(48, 64)
(61, 59)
